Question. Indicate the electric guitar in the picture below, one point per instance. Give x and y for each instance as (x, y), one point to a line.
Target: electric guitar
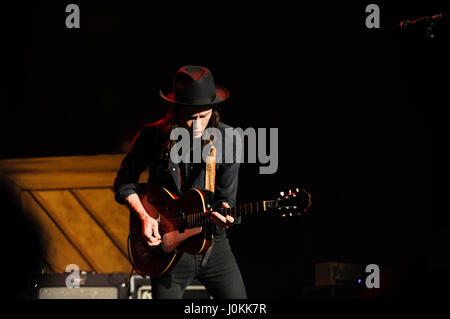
(185, 224)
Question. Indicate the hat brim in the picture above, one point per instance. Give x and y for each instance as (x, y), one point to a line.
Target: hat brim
(222, 94)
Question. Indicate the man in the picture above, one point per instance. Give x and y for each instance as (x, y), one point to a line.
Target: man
(192, 105)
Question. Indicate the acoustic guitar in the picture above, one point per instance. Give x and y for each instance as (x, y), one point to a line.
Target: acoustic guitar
(185, 224)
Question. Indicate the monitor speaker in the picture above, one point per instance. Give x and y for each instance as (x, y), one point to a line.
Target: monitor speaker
(91, 286)
(141, 288)
(334, 273)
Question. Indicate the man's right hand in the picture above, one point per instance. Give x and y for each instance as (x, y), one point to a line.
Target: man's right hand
(149, 225)
(150, 230)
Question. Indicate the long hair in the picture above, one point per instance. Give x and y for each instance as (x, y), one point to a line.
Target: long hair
(170, 121)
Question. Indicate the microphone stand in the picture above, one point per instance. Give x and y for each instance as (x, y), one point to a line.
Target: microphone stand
(428, 20)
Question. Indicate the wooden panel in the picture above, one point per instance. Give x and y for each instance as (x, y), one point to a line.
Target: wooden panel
(58, 180)
(92, 163)
(87, 227)
(113, 217)
(64, 172)
(58, 251)
(94, 244)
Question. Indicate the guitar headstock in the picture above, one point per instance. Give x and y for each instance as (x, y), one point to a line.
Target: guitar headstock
(291, 203)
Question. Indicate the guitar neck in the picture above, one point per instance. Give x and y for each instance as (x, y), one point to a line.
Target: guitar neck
(203, 218)
(247, 209)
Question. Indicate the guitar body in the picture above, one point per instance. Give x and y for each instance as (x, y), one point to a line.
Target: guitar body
(168, 209)
(185, 224)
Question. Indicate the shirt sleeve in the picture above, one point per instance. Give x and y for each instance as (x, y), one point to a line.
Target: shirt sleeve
(227, 178)
(133, 164)
(226, 185)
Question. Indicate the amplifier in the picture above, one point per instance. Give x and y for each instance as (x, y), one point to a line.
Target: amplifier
(141, 288)
(91, 286)
(336, 273)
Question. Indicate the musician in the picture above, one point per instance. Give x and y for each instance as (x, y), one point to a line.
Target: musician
(193, 105)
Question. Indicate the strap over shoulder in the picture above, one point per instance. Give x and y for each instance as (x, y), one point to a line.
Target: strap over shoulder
(210, 176)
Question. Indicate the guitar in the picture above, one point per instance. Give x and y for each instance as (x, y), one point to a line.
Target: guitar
(186, 225)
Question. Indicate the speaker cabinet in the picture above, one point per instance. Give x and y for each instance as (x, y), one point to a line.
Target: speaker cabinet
(91, 286)
(141, 288)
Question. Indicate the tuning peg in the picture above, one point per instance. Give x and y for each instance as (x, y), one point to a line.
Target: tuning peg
(298, 214)
(283, 215)
(297, 190)
(282, 194)
(290, 192)
(290, 214)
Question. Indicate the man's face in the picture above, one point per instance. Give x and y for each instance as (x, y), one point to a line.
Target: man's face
(195, 119)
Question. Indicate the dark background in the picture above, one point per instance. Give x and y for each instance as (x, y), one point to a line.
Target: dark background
(362, 117)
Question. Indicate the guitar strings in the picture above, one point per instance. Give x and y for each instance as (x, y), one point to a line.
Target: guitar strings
(194, 218)
(197, 217)
(202, 218)
(201, 215)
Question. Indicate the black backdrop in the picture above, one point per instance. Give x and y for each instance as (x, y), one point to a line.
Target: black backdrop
(362, 117)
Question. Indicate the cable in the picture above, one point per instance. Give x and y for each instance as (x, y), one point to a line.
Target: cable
(131, 262)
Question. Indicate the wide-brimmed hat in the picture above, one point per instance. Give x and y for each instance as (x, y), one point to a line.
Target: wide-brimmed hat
(194, 85)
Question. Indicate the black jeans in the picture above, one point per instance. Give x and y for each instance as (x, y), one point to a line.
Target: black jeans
(221, 275)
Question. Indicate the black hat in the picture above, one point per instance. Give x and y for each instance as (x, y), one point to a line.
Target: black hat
(194, 85)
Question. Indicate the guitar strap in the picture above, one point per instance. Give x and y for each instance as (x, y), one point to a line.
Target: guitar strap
(210, 176)
(210, 180)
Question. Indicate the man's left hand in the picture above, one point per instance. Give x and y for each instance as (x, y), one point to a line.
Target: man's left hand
(223, 222)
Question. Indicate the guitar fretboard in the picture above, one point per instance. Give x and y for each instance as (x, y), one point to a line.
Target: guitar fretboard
(246, 209)
(203, 218)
